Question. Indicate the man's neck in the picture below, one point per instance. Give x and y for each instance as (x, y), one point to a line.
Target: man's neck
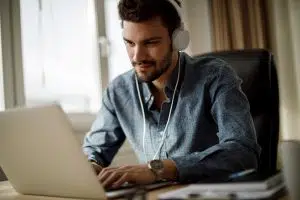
(161, 82)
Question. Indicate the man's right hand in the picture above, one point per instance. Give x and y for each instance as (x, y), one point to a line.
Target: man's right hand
(97, 168)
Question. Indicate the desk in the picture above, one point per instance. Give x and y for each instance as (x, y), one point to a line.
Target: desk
(8, 193)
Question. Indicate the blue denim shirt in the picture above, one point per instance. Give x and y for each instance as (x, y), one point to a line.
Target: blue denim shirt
(210, 131)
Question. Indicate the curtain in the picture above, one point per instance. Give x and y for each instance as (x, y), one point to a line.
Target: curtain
(239, 24)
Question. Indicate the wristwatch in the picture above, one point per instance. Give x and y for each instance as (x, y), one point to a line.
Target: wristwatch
(157, 167)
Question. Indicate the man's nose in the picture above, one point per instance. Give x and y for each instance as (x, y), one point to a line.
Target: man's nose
(139, 54)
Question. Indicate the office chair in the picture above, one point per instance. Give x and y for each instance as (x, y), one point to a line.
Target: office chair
(256, 68)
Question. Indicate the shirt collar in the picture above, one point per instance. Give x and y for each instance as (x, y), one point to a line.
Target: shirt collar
(171, 83)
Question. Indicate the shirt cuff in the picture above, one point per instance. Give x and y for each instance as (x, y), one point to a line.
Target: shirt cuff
(97, 160)
(191, 167)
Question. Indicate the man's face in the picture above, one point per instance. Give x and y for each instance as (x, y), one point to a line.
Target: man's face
(148, 45)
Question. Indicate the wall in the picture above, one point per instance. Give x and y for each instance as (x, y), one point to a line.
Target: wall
(1, 75)
(2, 177)
(197, 20)
(285, 35)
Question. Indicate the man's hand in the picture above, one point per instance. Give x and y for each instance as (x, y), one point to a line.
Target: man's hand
(116, 176)
(97, 168)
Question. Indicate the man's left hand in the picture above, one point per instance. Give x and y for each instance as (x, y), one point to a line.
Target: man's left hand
(116, 176)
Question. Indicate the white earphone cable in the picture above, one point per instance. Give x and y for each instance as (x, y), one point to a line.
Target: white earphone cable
(143, 112)
(169, 116)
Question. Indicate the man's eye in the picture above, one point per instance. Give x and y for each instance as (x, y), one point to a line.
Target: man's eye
(129, 43)
(152, 42)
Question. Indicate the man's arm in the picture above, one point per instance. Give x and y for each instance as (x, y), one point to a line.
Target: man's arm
(105, 137)
(237, 148)
(138, 174)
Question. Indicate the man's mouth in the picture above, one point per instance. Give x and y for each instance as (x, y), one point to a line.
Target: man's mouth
(145, 66)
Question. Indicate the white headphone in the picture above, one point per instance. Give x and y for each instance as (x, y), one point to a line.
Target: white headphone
(180, 36)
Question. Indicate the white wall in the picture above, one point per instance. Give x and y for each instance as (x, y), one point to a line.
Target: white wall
(1, 75)
(285, 32)
(198, 22)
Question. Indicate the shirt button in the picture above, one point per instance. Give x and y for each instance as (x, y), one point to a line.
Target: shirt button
(161, 133)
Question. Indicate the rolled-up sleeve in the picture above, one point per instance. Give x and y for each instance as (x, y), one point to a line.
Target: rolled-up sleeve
(237, 148)
(106, 136)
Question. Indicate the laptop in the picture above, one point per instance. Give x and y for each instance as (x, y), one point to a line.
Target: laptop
(40, 155)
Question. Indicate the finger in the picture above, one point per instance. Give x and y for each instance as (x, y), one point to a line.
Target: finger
(97, 168)
(125, 167)
(123, 179)
(104, 175)
(107, 183)
(107, 170)
(110, 168)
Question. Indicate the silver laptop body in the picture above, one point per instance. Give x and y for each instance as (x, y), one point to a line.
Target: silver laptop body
(41, 156)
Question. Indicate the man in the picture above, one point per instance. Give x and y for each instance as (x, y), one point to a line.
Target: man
(186, 118)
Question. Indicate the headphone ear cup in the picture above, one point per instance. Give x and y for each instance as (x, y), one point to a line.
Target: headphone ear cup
(180, 39)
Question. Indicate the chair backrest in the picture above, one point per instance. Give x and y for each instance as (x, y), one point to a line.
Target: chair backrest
(256, 68)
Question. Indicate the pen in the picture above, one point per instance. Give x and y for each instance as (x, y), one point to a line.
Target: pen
(241, 173)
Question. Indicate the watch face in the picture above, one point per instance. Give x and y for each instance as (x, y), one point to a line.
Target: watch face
(157, 164)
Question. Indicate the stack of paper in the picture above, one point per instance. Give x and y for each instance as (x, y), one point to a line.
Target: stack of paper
(235, 190)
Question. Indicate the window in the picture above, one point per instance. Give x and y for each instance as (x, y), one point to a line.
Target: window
(118, 59)
(64, 46)
(60, 54)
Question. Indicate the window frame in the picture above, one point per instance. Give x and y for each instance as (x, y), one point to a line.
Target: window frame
(13, 81)
(12, 52)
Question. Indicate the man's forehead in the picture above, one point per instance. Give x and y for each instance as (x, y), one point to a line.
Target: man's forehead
(141, 30)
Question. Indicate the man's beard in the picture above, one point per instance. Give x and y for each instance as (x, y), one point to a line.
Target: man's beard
(153, 75)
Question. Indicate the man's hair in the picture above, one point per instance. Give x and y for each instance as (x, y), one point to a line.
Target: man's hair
(143, 10)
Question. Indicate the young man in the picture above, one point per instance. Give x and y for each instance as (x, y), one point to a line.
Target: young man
(186, 118)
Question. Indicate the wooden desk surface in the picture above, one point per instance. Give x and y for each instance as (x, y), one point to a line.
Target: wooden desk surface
(7, 192)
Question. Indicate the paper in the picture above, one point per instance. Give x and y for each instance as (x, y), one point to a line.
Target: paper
(193, 190)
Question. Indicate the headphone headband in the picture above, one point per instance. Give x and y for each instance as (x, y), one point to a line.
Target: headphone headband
(177, 8)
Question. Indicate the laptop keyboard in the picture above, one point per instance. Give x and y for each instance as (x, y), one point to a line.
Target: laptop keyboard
(146, 187)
